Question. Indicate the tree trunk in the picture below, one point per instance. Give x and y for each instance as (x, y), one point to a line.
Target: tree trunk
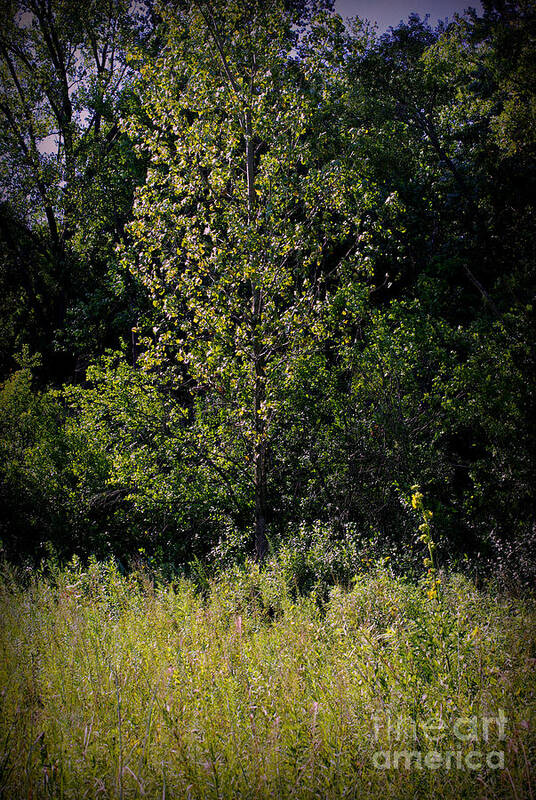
(261, 542)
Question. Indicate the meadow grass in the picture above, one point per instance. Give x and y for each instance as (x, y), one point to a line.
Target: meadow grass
(126, 687)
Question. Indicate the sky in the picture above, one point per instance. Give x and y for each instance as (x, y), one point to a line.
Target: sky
(390, 12)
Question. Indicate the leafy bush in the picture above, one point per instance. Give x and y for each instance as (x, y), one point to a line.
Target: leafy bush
(161, 494)
(42, 501)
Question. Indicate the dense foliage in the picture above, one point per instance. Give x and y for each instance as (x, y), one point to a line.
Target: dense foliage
(261, 274)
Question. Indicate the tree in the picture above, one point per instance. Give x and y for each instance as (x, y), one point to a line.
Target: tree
(249, 214)
(66, 170)
(449, 113)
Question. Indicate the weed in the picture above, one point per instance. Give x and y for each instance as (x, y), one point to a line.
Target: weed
(123, 686)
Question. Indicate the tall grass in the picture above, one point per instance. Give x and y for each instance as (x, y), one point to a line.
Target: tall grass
(122, 687)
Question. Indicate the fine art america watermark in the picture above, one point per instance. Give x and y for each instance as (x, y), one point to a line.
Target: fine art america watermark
(465, 743)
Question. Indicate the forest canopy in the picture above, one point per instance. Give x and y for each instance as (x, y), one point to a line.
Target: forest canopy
(261, 273)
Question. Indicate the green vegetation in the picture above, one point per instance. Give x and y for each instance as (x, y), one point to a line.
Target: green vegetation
(260, 273)
(132, 687)
(267, 306)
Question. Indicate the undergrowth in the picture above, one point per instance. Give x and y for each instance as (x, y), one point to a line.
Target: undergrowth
(126, 687)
